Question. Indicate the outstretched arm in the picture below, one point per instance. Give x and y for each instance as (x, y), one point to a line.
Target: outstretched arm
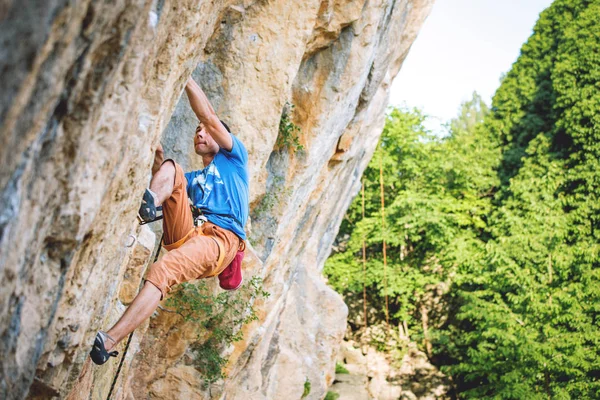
(206, 114)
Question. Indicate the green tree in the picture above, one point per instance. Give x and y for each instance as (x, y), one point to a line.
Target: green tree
(507, 211)
(436, 195)
(527, 324)
(470, 115)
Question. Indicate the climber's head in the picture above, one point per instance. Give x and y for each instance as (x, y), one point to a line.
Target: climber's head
(204, 144)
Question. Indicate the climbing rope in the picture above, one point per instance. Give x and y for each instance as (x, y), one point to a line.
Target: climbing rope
(112, 386)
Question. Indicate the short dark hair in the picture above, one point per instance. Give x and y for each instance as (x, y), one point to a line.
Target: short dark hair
(226, 126)
(223, 123)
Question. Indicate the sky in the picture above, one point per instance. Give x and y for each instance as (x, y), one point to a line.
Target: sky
(463, 46)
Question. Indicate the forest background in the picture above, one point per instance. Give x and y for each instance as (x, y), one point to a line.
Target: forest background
(492, 231)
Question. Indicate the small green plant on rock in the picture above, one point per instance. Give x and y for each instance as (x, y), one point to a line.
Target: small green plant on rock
(332, 396)
(289, 133)
(306, 388)
(275, 194)
(341, 369)
(221, 316)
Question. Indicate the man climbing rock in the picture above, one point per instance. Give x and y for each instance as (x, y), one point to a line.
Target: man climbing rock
(209, 245)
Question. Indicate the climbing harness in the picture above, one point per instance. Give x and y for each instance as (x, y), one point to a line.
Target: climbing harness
(199, 219)
(197, 215)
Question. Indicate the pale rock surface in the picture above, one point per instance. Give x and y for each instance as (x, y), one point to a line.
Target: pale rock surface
(351, 387)
(143, 246)
(372, 377)
(88, 87)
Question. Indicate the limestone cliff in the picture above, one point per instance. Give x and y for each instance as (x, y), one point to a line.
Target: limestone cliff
(89, 88)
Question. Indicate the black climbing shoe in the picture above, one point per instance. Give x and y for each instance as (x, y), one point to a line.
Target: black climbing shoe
(99, 354)
(147, 211)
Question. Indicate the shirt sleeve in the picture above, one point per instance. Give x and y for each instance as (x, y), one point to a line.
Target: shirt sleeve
(238, 153)
(189, 176)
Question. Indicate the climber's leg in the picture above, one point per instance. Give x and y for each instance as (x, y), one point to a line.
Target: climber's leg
(171, 188)
(141, 308)
(163, 181)
(195, 259)
(169, 184)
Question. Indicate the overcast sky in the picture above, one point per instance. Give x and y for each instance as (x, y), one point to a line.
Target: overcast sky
(463, 46)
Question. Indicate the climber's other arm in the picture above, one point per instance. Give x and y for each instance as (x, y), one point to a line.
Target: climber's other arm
(206, 114)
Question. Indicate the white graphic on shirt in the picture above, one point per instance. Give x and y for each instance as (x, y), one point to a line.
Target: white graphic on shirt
(207, 178)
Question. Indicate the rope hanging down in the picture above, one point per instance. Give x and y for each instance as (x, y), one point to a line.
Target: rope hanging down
(112, 386)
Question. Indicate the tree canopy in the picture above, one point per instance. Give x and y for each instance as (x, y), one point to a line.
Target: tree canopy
(504, 211)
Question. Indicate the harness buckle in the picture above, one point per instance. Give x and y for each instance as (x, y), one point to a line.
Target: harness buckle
(197, 215)
(200, 220)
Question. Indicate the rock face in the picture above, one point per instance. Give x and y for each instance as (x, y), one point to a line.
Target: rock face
(87, 90)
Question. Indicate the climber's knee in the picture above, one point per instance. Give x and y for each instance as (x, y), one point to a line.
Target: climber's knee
(158, 275)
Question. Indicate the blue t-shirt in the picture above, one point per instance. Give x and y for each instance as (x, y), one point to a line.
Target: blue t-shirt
(220, 190)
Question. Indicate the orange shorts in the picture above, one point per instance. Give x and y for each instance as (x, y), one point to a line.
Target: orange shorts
(197, 255)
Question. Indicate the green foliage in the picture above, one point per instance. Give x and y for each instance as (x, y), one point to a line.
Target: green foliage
(289, 133)
(340, 369)
(220, 316)
(471, 113)
(332, 396)
(436, 196)
(526, 325)
(306, 391)
(507, 212)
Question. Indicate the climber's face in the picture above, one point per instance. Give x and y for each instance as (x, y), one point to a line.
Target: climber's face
(204, 144)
